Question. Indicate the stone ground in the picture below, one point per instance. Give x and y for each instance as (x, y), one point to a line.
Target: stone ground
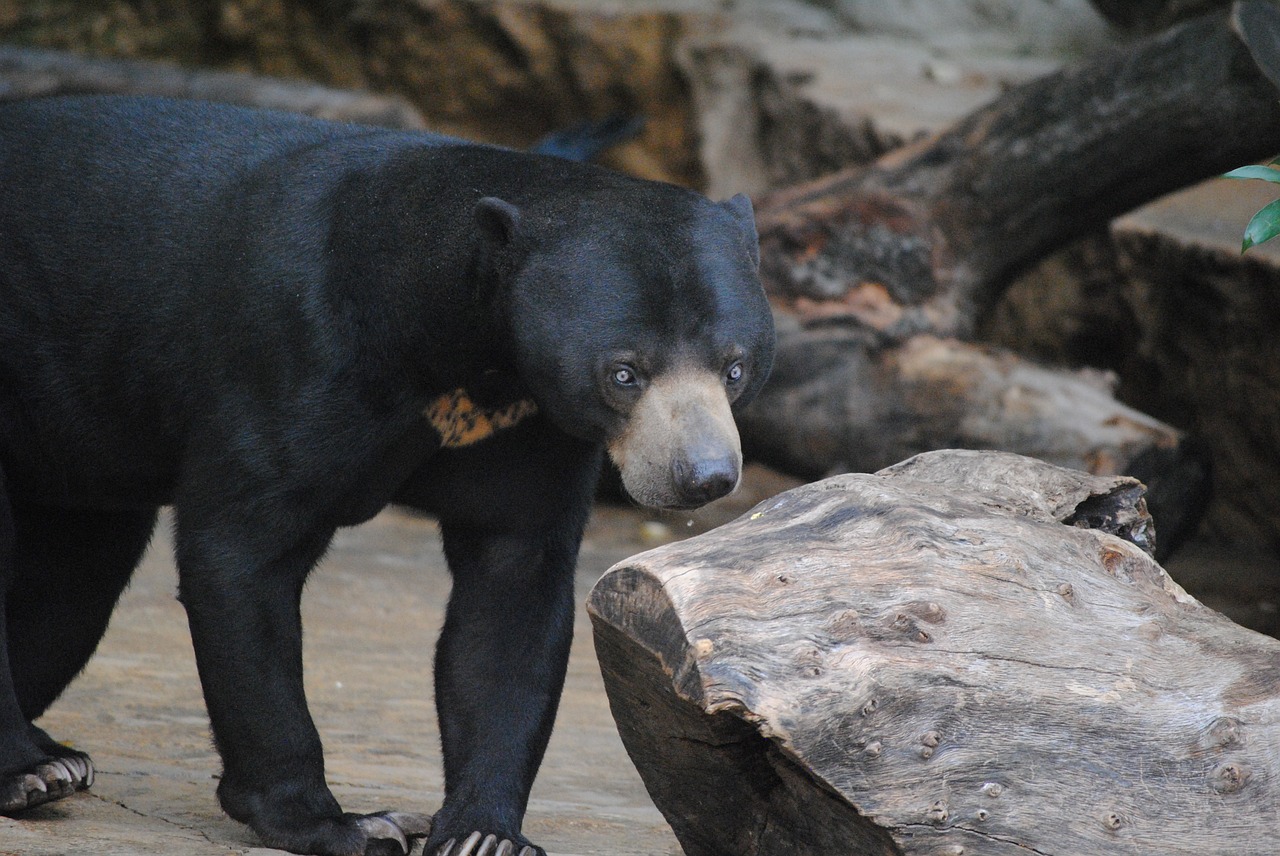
(372, 612)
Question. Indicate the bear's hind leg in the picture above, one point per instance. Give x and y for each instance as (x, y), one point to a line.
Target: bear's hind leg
(66, 571)
(71, 566)
(27, 776)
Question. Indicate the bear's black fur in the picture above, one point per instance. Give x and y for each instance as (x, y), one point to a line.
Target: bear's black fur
(279, 325)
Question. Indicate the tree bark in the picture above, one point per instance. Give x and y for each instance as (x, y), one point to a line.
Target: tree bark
(968, 653)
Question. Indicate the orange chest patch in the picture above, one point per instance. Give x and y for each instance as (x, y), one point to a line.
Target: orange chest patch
(460, 421)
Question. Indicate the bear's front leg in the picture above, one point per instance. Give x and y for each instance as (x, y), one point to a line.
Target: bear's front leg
(500, 668)
(242, 596)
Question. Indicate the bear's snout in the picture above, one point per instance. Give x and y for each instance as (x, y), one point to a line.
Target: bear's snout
(702, 475)
(680, 448)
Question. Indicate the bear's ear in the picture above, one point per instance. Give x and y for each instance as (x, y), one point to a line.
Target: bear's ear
(740, 207)
(498, 219)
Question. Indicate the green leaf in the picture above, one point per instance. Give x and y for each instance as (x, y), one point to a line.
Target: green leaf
(1264, 226)
(1265, 173)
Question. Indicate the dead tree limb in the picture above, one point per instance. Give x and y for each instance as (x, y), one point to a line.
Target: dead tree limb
(30, 72)
(838, 402)
(966, 653)
(930, 234)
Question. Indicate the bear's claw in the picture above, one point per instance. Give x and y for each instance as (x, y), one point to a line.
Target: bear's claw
(45, 782)
(478, 844)
(398, 826)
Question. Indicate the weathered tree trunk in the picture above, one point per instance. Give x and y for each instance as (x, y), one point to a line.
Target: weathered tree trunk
(29, 72)
(927, 237)
(922, 243)
(847, 402)
(967, 653)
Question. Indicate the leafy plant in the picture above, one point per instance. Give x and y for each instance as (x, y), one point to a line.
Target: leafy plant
(1265, 225)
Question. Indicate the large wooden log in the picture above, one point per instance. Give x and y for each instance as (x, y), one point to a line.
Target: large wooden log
(840, 403)
(966, 654)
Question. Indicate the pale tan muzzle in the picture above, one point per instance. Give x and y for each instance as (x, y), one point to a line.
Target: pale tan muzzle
(680, 448)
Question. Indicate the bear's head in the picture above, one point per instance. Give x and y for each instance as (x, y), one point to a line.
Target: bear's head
(637, 321)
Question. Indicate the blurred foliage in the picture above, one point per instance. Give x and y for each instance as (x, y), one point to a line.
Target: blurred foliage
(1265, 225)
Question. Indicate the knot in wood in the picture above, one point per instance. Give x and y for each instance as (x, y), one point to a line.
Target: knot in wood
(938, 812)
(1112, 821)
(925, 610)
(1150, 630)
(1229, 778)
(809, 663)
(1224, 731)
(928, 610)
(874, 748)
(1067, 593)
(981, 814)
(1117, 564)
(907, 625)
(844, 626)
(993, 789)
(870, 706)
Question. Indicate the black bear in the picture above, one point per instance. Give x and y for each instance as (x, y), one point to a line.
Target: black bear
(279, 325)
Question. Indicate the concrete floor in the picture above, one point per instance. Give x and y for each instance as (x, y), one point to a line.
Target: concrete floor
(371, 612)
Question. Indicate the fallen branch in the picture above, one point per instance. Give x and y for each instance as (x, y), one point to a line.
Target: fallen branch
(29, 72)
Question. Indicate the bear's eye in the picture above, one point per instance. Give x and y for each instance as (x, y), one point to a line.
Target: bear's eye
(624, 376)
(735, 373)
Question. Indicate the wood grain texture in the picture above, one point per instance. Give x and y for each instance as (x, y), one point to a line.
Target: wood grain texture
(940, 658)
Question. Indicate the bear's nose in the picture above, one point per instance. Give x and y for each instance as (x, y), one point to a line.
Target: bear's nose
(701, 478)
